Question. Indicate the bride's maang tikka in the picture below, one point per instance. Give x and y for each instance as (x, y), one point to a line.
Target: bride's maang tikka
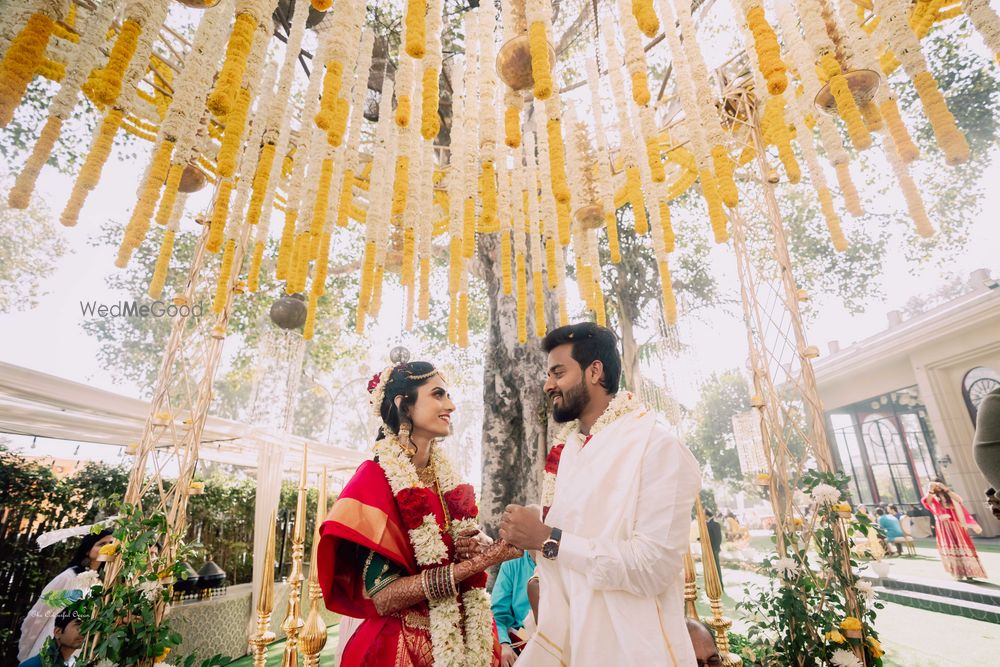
(377, 385)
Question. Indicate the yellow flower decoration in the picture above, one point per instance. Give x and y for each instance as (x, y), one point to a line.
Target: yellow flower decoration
(231, 75)
(875, 647)
(645, 17)
(416, 24)
(850, 624)
(768, 51)
(24, 54)
(541, 66)
(835, 637)
(430, 122)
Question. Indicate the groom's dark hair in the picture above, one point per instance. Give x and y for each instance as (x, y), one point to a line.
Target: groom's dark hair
(591, 342)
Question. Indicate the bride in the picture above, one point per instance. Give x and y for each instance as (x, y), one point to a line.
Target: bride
(401, 548)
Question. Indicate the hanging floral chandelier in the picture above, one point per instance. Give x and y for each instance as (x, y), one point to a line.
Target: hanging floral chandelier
(523, 158)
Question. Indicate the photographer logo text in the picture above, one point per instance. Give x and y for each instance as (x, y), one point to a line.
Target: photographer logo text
(136, 309)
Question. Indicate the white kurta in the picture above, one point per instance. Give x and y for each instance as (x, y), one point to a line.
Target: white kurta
(615, 593)
(40, 622)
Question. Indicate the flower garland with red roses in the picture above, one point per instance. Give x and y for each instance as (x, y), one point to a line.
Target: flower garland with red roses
(461, 634)
(620, 405)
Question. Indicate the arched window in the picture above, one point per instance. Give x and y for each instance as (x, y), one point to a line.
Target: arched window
(975, 385)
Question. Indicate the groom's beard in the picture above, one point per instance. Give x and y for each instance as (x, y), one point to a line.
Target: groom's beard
(572, 405)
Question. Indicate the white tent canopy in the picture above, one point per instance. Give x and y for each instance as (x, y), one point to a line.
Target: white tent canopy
(38, 404)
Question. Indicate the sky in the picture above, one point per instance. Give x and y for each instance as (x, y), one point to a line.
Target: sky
(49, 338)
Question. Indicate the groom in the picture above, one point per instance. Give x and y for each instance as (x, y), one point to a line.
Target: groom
(613, 539)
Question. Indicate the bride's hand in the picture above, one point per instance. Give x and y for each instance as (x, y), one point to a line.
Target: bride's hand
(501, 551)
(470, 543)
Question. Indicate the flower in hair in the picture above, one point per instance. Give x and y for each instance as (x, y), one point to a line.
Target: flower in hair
(378, 390)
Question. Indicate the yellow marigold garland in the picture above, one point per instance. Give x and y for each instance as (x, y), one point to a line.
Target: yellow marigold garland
(522, 299)
(220, 212)
(105, 84)
(90, 172)
(321, 206)
(541, 66)
(656, 169)
(24, 53)
(505, 259)
(260, 181)
(847, 106)
(563, 224)
(225, 271)
(611, 225)
(852, 201)
(416, 25)
(51, 70)
(775, 130)
(640, 87)
(401, 184)
(872, 117)
(223, 96)
(644, 15)
(286, 246)
(724, 175)
(468, 228)
(20, 195)
(322, 265)
(832, 219)
(905, 148)
(633, 182)
(888, 62)
(716, 216)
(667, 291)
(539, 303)
(341, 111)
(430, 122)
(162, 264)
(169, 194)
(232, 139)
(512, 126)
(669, 240)
(145, 206)
(550, 262)
(488, 192)
(557, 161)
(309, 327)
(376, 303)
(768, 51)
(949, 137)
(331, 90)
(402, 116)
(253, 278)
(346, 195)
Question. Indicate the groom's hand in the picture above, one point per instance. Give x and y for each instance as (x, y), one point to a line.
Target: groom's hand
(521, 527)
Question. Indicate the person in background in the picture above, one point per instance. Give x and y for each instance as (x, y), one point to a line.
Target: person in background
(715, 537)
(890, 525)
(894, 511)
(958, 553)
(511, 605)
(705, 650)
(61, 647)
(40, 621)
(986, 446)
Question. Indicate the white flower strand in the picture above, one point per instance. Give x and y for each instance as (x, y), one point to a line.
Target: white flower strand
(986, 22)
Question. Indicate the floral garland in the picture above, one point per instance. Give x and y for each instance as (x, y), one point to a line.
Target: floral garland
(432, 548)
(622, 404)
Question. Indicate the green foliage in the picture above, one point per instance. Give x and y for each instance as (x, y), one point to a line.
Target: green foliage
(126, 618)
(30, 246)
(711, 436)
(800, 617)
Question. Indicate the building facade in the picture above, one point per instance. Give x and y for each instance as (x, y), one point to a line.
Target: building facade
(901, 405)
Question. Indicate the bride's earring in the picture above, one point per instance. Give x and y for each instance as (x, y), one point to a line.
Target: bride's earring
(404, 439)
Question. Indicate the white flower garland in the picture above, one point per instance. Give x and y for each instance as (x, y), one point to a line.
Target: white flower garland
(623, 403)
(446, 623)
(986, 21)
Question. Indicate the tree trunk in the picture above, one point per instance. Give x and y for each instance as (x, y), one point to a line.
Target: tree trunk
(515, 414)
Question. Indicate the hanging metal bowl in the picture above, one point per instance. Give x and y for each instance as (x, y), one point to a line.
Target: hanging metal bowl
(514, 63)
(289, 312)
(199, 4)
(863, 83)
(590, 216)
(192, 179)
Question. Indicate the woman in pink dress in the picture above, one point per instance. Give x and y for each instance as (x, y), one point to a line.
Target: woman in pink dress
(958, 553)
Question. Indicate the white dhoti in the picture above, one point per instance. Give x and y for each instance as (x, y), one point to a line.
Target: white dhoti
(614, 595)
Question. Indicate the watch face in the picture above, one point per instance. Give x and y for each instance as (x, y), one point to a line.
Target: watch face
(550, 549)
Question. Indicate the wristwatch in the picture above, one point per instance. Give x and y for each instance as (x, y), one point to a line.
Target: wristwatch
(550, 547)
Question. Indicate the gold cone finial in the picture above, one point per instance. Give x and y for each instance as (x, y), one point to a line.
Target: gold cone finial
(713, 588)
(690, 586)
(265, 602)
(313, 636)
(293, 622)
